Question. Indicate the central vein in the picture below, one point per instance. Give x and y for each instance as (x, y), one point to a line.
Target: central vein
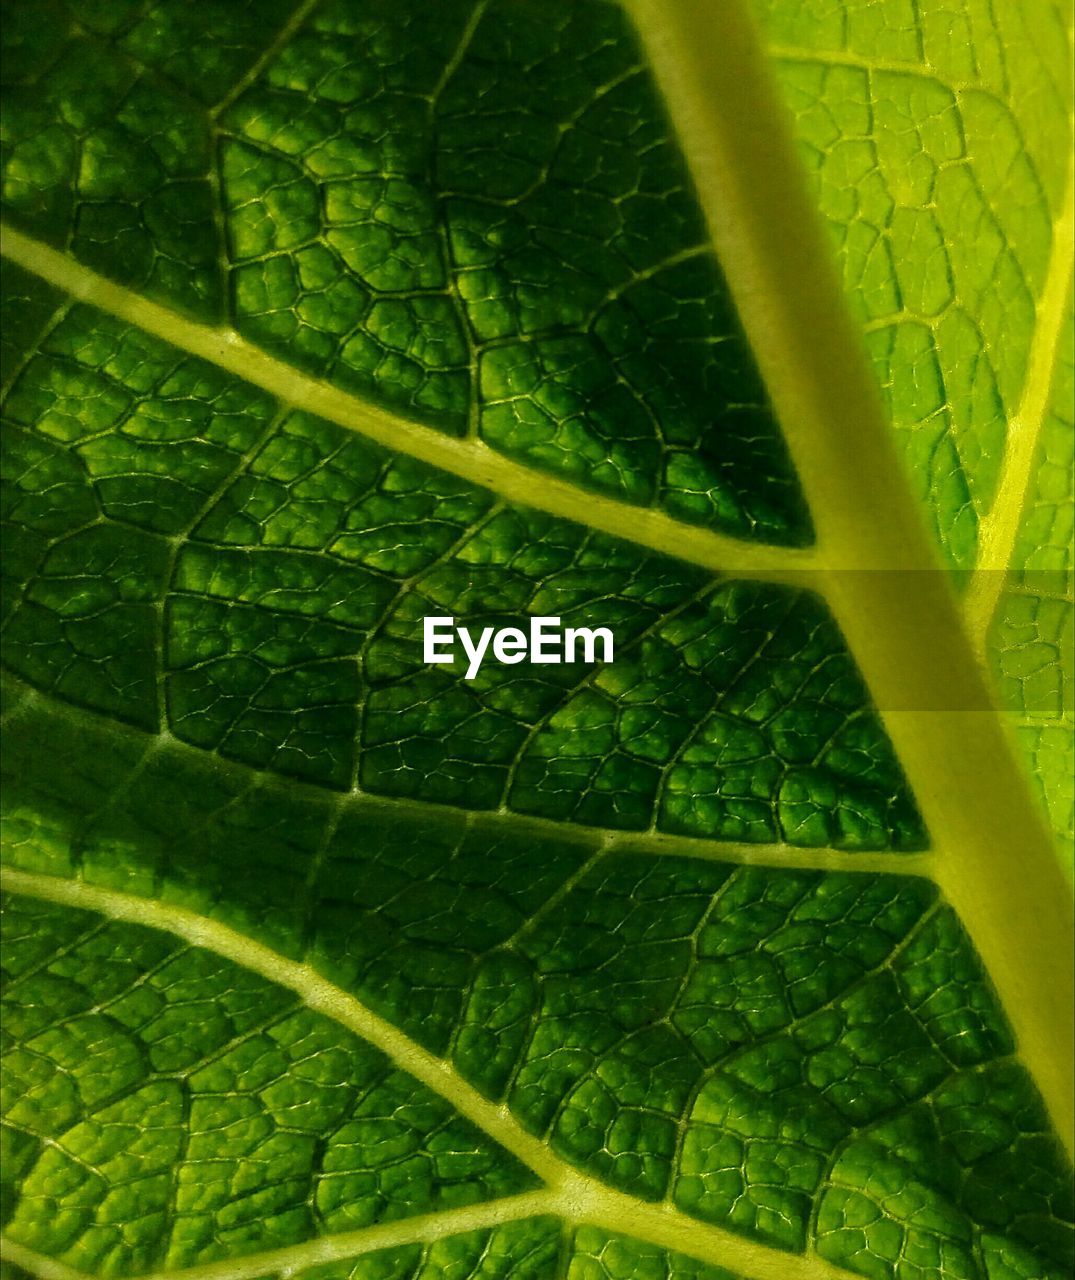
(892, 600)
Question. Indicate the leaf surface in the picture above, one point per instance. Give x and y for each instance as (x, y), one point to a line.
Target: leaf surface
(733, 959)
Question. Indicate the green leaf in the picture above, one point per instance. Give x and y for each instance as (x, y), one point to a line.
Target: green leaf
(262, 553)
(740, 957)
(1031, 633)
(931, 141)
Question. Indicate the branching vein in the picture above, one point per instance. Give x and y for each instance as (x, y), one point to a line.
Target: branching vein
(893, 602)
(471, 459)
(570, 1194)
(998, 530)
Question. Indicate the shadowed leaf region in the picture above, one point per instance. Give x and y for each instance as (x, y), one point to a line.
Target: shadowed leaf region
(186, 557)
(475, 214)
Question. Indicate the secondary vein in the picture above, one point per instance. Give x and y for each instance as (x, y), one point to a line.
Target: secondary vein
(286, 1261)
(571, 1194)
(525, 826)
(998, 530)
(472, 459)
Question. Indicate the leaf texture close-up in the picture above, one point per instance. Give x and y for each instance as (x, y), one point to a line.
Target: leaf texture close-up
(739, 328)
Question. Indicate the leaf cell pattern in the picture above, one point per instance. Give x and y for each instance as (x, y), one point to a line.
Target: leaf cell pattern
(527, 1250)
(171, 1108)
(780, 1052)
(474, 214)
(187, 558)
(612, 909)
(929, 135)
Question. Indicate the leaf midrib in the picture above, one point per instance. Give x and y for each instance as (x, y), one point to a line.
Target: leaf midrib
(879, 570)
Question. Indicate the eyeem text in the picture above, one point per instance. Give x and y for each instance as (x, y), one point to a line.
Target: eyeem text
(546, 642)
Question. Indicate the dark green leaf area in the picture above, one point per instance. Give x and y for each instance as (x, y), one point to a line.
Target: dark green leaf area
(768, 1048)
(116, 443)
(491, 226)
(396, 901)
(533, 1249)
(482, 221)
(108, 158)
(182, 558)
(717, 1034)
(28, 307)
(687, 706)
(739, 716)
(169, 1108)
(8, 1269)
